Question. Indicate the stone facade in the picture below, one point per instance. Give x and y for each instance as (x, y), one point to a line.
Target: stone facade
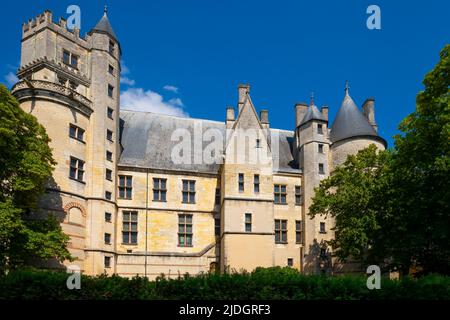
(130, 208)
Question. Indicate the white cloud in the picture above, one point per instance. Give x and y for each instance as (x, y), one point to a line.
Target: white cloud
(127, 81)
(149, 101)
(168, 87)
(11, 78)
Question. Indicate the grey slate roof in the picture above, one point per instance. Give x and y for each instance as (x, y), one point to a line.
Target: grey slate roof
(146, 141)
(350, 122)
(312, 114)
(104, 26)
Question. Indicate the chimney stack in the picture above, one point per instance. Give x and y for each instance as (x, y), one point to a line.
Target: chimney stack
(264, 116)
(369, 112)
(243, 89)
(230, 117)
(324, 111)
(300, 110)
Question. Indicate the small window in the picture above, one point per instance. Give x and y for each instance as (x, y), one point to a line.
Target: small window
(320, 128)
(320, 148)
(185, 230)
(107, 238)
(258, 143)
(74, 61)
(107, 262)
(109, 135)
(109, 156)
(298, 195)
(241, 182)
(218, 196)
(111, 47)
(108, 217)
(280, 231)
(108, 195)
(125, 187)
(108, 174)
(76, 132)
(217, 227)
(159, 189)
(248, 222)
(321, 169)
(290, 262)
(66, 57)
(322, 227)
(70, 59)
(188, 192)
(298, 232)
(110, 91)
(280, 194)
(76, 169)
(129, 227)
(110, 113)
(256, 183)
(111, 69)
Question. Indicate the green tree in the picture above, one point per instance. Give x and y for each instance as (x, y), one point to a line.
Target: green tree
(26, 164)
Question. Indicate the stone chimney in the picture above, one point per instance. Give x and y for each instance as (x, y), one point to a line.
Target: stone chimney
(264, 116)
(300, 110)
(230, 117)
(243, 89)
(369, 112)
(324, 111)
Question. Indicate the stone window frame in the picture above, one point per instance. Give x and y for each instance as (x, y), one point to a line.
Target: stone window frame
(188, 191)
(241, 182)
(248, 222)
(109, 135)
(111, 91)
(320, 148)
(108, 174)
(125, 187)
(107, 262)
(280, 193)
(322, 227)
(298, 195)
(321, 168)
(130, 221)
(108, 216)
(111, 70)
(110, 113)
(77, 133)
(185, 230)
(290, 262)
(320, 128)
(281, 231)
(76, 169)
(108, 195)
(298, 231)
(256, 183)
(160, 189)
(107, 157)
(71, 57)
(107, 238)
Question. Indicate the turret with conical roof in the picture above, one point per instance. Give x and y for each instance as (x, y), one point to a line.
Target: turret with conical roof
(103, 26)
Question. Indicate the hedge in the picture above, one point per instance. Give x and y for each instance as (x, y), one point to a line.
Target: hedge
(263, 283)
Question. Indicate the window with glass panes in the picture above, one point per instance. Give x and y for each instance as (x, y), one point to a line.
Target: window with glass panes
(125, 187)
(248, 222)
(76, 132)
(188, 191)
(280, 231)
(130, 227)
(241, 182)
(298, 231)
(76, 169)
(280, 193)
(159, 189)
(185, 230)
(298, 195)
(256, 183)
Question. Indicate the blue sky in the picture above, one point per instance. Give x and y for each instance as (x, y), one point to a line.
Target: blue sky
(188, 57)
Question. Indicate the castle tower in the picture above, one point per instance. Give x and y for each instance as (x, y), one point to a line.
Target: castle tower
(71, 84)
(313, 157)
(247, 213)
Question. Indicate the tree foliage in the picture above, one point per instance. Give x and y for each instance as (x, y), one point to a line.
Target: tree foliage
(393, 207)
(26, 164)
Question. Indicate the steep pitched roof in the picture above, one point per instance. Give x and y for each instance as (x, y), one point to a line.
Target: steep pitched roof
(313, 114)
(350, 122)
(146, 141)
(103, 26)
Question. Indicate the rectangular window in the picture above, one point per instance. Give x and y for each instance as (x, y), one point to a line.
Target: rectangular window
(111, 69)
(290, 262)
(108, 175)
(109, 135)
(125, 187)
(159, 189)
(109, 156)
(248, 222)
(218, 196)
(320, 148)
(241, 182)
(108, 217)
(188, 191)
(217, 227)
(66, 57)
(76, 132)
(107, 238)
(258, 143)
(74, 61)
(129, 227)
(280, 231)
(319, 128)
(110, 112)
(185, 230)
(280, 193)
(107, 262)
(111, 48)
(298, 195)
(110, 91)
(76, 169)
(256, 183)
(298, 231)
(322, 227)
(321, 169)
(70, 59)
(108, 195)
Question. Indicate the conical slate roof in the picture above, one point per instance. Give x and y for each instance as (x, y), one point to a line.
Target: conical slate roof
(103, 26)
(350, 122)
(313, 114)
